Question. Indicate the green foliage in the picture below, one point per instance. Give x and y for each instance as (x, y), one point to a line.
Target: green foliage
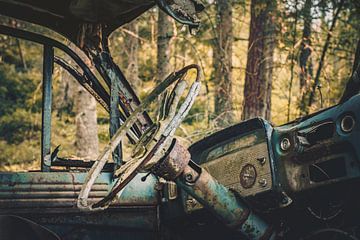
(20, 101)
(18, 104)
(18, 126)
(16, 89)
(25, 152)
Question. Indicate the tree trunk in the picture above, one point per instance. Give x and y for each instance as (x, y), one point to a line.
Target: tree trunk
(259, 67)
(165, 35)
(305, 62)
(132, 50)
(86, 143)
(294, 38)
(222, 54)
(64, 99)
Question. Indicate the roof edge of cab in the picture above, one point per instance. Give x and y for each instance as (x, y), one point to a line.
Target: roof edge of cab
(66, 18)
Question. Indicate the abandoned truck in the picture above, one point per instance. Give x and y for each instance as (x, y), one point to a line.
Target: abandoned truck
(249, 181)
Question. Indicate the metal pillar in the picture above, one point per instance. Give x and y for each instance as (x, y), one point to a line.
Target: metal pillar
(115, 121)
(46, 108)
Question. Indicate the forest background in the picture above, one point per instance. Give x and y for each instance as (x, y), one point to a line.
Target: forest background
(279, 60)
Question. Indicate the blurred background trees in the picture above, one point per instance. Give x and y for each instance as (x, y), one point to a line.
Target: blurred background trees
(222, 53)
(260, 60)
(278, 60)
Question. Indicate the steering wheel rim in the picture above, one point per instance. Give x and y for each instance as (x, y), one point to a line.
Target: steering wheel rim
(161, 143)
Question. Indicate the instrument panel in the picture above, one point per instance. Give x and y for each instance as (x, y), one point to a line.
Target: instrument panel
(241, 163)
(271, 167)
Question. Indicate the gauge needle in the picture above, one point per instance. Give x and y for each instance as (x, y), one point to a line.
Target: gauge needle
(248, 175)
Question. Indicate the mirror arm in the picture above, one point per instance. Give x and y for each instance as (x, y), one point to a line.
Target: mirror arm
(166, 8)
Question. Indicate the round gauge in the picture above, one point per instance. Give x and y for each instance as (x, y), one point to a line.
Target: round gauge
(248, 176)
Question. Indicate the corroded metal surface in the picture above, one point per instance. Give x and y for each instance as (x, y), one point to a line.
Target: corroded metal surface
(318, 139)
(228, 167)
(223, 204)
(24, 192)
(48, 66)
(174, 163)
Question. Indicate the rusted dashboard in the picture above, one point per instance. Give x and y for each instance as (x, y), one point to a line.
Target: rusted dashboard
(241, 162)
(271, 167)
(240, 157)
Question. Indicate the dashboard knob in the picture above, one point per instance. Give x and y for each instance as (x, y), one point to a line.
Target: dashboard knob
(347, 123)
(262, 161)
(263, 182)
(285, 144)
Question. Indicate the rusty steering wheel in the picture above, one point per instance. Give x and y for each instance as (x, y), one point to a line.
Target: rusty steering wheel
(154, 143)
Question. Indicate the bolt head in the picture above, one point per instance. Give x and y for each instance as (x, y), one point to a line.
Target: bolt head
(188, 177)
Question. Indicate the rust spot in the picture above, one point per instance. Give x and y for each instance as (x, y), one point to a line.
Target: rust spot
(243, 217)
(173, 165)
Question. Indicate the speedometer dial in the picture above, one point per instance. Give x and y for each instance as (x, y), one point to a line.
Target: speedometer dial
(248, 176)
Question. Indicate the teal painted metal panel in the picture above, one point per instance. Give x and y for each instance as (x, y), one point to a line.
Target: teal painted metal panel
(58, 191)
